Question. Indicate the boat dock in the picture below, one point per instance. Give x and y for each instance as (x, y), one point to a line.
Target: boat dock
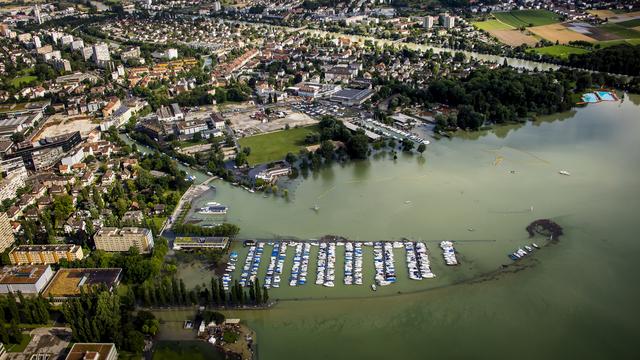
(384, 266)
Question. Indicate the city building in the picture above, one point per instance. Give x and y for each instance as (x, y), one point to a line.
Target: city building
(120, 240)
(45, 254)
(10, 184)
(101, 54)
(93, 351)
(68, 283)
(428, 22)
(27, 150)
(6, 232)
(352, 97)
(187, 242)
(170, 113)
(3, 352)
(448, 21)
(27, 279)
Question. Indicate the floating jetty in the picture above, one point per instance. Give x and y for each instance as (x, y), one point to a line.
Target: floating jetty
(523, 251)
(231, 266)
(251, 265)
(418, 261)
(448, 253)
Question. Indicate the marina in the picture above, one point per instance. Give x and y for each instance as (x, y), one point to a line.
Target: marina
(295, 259)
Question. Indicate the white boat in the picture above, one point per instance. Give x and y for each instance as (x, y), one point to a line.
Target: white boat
(374, 287)
(564, 172)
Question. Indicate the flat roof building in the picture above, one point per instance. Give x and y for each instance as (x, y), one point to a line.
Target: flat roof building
(187, 242)
(45, 254)
(352, 97)
(68, 283)
(27, 279)
(120, 240)
(93, 351)
(6, 232)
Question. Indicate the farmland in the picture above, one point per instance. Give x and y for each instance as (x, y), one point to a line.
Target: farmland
(490, 25)
(514, 37)
(527, 18)
(620, 31)
(560, 33)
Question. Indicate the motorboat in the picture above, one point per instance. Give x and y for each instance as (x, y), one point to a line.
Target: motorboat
(564, 172)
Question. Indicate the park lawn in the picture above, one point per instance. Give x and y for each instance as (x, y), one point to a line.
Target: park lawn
(621, 31)
(18, 348)
(159, 221)
(23, 80)
(182, 350)
(489, 25)
(275, 145)
(560, 51)
(526, 18)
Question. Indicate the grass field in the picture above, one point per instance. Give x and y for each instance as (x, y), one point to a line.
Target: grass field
(527, 18)
(18, 348)
(489, 25)
(275, 146)
(23, 80)
(561, 51)
(182, 350)
(621, 31)
(630, 23)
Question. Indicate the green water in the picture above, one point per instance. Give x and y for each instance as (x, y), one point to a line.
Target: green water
(577, 298)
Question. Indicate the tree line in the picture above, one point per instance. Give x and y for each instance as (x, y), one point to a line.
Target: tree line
(170, 291)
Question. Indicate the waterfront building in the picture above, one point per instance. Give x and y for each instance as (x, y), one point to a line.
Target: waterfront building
(119, 240)
(27, 279)
(45, 254)
(187, 242)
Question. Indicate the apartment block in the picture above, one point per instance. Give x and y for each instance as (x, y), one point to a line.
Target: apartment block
(120, 240)
(45, 254)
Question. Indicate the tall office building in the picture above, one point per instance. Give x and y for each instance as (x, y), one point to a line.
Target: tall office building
(6, 232)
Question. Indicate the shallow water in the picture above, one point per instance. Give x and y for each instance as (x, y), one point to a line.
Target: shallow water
(576, 298)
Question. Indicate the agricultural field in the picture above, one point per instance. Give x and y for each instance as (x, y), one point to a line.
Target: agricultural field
(630, 23)
(514, 37)
(527, 18)
(490, 25)
(620, 31)
(560, 33)
(560, 51)
(275, 146)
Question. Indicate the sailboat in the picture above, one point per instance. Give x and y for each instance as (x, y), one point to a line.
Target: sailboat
(316, 207)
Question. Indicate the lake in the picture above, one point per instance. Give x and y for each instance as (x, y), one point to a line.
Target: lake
(576, 298)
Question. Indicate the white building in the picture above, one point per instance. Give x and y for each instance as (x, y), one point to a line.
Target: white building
(217, 6)
(448, 21)
(77, 44)
(428, 22)
(101, 53)
(27, 279)
(37, 42)
(74, 158)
